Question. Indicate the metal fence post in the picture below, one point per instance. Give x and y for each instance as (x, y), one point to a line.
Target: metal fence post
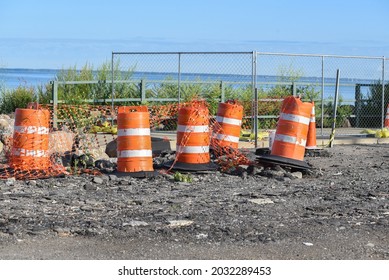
(142, 91)
(294, 91)
(112, 88)
(322, 95)
(383, 93)
(255, 95)
(358, 98)
(179, 78)
(55, 103)
(222, 93)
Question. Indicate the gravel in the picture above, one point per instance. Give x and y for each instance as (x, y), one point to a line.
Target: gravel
(338, 210)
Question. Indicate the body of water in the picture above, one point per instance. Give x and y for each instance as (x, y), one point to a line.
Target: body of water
(12, 78)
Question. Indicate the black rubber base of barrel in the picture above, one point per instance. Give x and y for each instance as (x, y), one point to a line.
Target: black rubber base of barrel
(191, 166)
(262, 151)
(139, 174)
(283, 161)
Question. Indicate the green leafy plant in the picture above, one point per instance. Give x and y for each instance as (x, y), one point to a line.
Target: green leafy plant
(368, 107)
(179, 177)
(44, 93)
(79, 93)
(343, 112)
(16, 98)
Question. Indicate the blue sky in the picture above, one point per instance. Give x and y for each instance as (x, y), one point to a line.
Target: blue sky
(61, 34)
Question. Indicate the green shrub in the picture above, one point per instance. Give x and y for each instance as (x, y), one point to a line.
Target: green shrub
(78, 93)
(12, 99)
(368, 107)
(75, 93)
(343, 112)
(44, 93)
(166, 89)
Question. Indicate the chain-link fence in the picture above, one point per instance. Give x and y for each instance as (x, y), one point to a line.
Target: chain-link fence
(167, 78)
(217, 76)
(314, 77)
(85, 109)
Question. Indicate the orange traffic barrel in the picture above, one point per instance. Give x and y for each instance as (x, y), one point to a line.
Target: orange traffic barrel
(134, 141)
(193, 138)
(311, 138)
(291, 135)
(30, 140)
(292, 129)
(387, 117)
(226, 131)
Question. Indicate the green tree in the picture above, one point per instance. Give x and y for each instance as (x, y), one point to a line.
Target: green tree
(368, 108)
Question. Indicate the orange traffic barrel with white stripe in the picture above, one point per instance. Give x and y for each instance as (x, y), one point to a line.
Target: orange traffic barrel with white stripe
(387, 117)
(30, 140)
(133, 139)
(292, 129)
(226, 131)
(311, 138)
(193, 134)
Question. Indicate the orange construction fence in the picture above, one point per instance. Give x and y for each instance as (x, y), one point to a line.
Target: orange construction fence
(43, 135)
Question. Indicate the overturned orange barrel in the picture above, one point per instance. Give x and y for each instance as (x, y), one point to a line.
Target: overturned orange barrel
(30, 140)
(226, 131)
(133, 140)
(292, 129)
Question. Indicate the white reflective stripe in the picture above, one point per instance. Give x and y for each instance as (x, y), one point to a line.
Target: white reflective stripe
(29, 153)
(192, 149)
(134, 153)
(193, 128)
(313, 117)
(294, 118)
(133, 131)
(387, 117)
(290, 139)
(221, 119)
(32, 129)
(225, 137)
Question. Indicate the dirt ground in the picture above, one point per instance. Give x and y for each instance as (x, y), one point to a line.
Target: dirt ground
(340, 210)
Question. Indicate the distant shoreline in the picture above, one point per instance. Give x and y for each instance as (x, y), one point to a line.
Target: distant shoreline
(11, 78)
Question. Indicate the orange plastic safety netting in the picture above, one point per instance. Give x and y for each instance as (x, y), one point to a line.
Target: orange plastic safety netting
(46, 140)
(27, 151)
(226, 131)
(199, 135)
